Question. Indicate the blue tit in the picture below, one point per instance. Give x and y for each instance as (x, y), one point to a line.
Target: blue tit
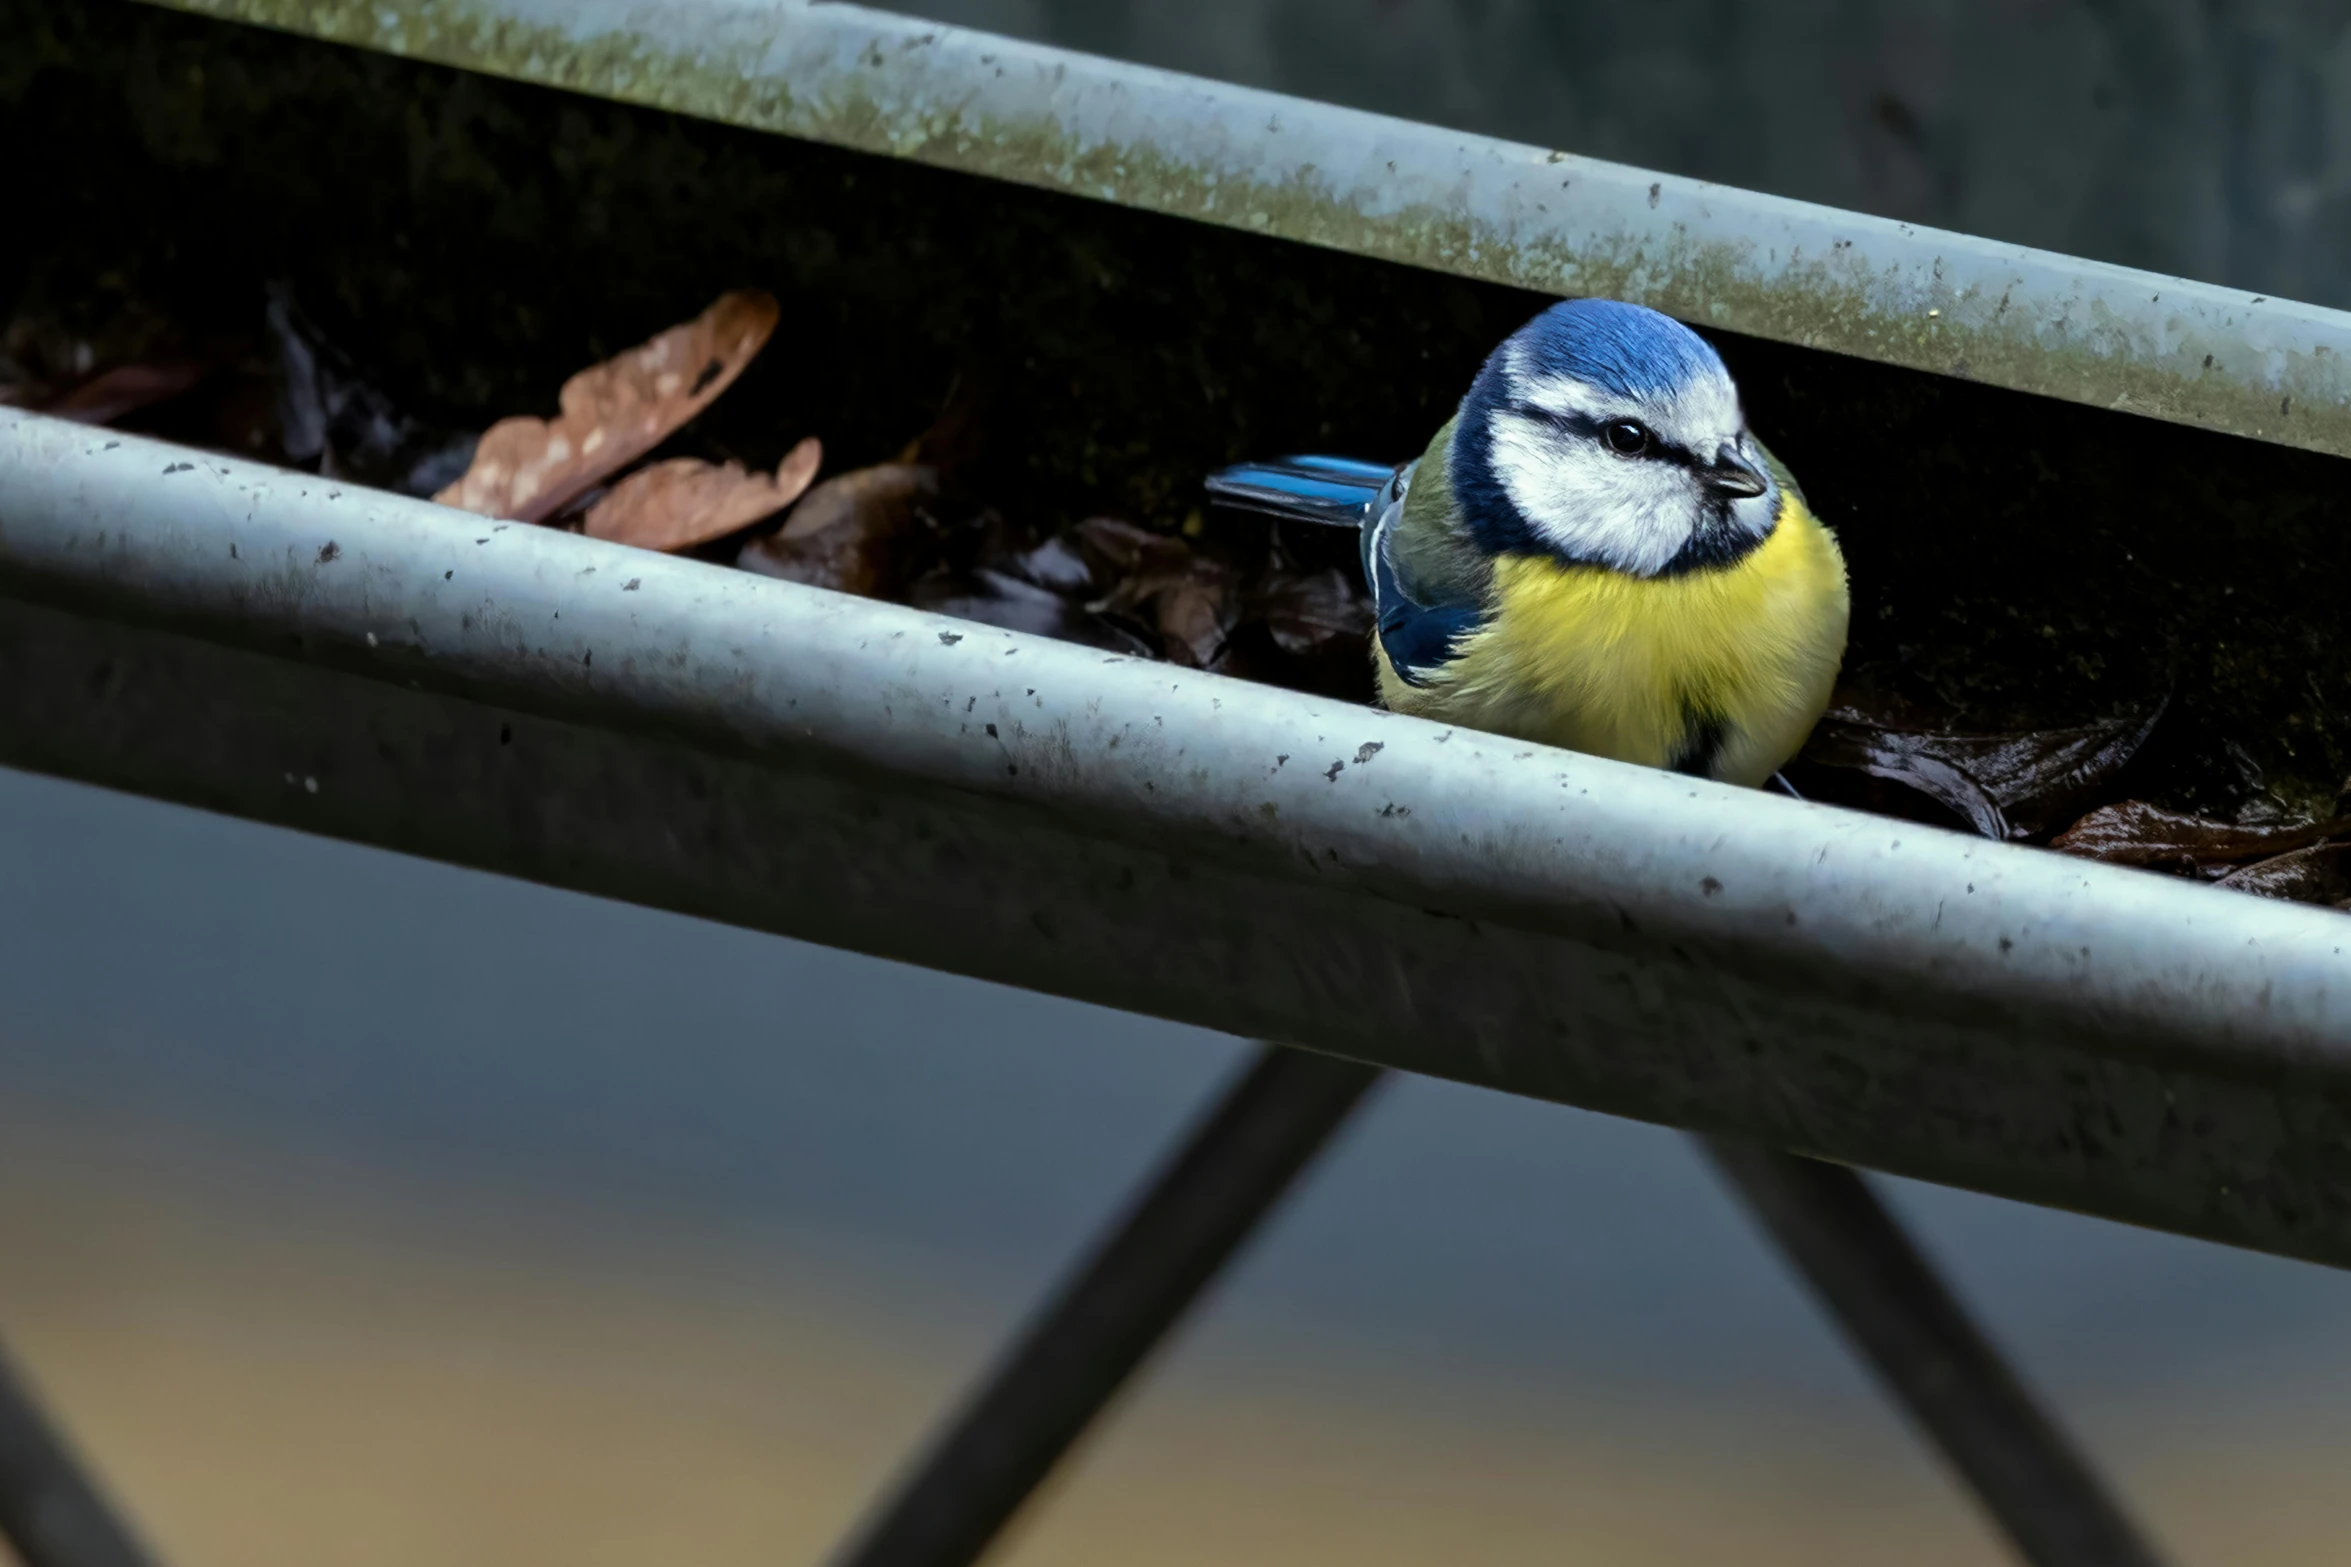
(1595, 552)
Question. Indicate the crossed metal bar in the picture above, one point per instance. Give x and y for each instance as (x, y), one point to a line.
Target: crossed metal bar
(51, 1511)
(1157, 1260)
(1206, 1202)
(1168, 1249)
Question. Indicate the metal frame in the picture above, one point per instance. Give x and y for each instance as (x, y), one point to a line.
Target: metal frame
(52, 1513)
(1084, 1345)
(1367, 886)
(873, 777)
(1927, 299)
(1294, 868)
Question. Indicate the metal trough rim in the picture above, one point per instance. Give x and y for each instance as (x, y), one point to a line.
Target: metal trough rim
(2005, 315)
(1410, 895)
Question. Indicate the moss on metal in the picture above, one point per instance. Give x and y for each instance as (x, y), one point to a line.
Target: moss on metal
(476, 240)
(1837, 301)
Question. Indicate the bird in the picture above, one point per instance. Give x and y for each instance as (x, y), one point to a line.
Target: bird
(1595, 552)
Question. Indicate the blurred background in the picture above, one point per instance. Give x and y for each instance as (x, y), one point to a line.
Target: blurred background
(357, 1210)
(2191, 137)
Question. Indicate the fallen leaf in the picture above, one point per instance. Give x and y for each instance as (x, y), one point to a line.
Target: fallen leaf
(1115, 549)
(957, 436)
(1190, 601)
(332, 415)
(684, 502)
(852, 533)
(2001, 785)
(1307, 613)
(1196, 614)
(529, 469)
(2318, 874)
(2137, 833)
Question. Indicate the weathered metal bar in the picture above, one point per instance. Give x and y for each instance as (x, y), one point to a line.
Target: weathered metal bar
(2001, 314)
(51, 1511)
(1921, 1343)
(1071, 1361)
(1172, 842)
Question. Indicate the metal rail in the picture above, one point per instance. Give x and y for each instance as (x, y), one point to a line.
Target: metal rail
(1914, 1333)
(1117, 1306)
(302, 653)
(1786, 270)
(1039, 813)
(1070, 1363)
(51, 1511)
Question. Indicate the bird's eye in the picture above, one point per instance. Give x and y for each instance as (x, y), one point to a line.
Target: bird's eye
(1626, 438)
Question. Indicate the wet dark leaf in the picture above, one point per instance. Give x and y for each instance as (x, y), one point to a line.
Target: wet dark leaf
(2000, 785)
(1192, 602)
(1113, 550)
(330, 415)
(1306, 613)
(1196, 614)
(2137, 833)
(855, 533)
(2318, 874)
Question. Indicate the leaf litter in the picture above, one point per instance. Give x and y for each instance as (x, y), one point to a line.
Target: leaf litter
(682, 502)
(1273, 603)
(528, 469)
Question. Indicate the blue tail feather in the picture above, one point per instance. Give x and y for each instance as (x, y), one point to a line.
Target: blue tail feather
(1336, 491)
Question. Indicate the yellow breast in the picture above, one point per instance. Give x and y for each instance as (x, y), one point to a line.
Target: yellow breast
(1734, 663)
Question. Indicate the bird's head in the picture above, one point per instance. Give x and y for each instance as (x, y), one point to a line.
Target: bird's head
(1605, 434)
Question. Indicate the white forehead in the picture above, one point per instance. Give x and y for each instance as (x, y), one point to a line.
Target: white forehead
(1700, 413)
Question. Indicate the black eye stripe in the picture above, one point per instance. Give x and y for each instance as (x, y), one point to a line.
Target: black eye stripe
(1660, 449)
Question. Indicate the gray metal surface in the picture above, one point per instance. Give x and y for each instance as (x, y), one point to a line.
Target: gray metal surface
(1175, 843)
(1905, 1322)
(2002, 314)
(52, 1513)
(1088, 1340)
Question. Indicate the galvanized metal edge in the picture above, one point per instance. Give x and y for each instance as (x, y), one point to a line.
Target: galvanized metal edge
(1235, 855)
(2005, 315)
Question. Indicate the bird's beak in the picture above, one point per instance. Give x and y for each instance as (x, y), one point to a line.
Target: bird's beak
(1733, 475)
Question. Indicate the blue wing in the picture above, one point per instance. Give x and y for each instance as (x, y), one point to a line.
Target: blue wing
(1336, 491)
(1419, 629)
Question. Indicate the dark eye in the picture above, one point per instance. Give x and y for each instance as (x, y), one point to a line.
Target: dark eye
(1626, 438)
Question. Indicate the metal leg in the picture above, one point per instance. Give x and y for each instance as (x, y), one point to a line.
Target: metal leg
(1075, 1355)
(1919, 1340)
(50, 1511)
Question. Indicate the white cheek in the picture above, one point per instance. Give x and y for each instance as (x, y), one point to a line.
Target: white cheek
(1755, 514)
(1589, 504)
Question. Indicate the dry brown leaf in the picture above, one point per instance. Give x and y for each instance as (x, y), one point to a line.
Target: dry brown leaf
(614, 413)
(851, 533)
(678, 504)
(865, 498)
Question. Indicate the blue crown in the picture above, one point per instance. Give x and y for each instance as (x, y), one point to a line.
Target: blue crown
(1629, 350)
